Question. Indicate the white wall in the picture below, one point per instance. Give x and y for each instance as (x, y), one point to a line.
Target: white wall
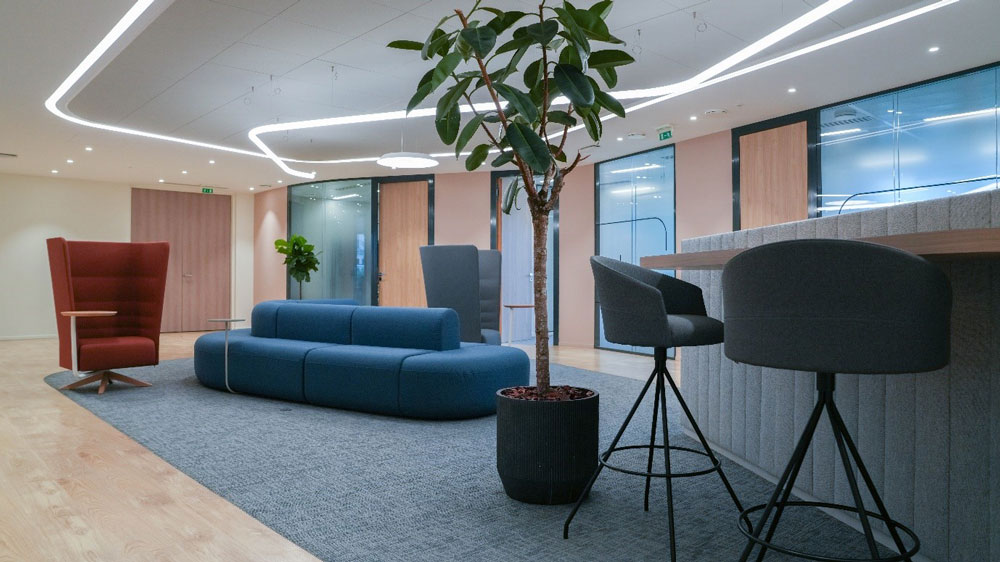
(35, 208)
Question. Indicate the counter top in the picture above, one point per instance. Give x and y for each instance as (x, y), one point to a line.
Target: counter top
(936, 245)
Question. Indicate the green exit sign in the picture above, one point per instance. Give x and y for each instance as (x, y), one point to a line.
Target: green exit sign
(666, 135)
(207, 190)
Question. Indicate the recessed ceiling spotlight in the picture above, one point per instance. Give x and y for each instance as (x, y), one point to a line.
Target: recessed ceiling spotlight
(88, 148)
(281, 181)
(694, 117)
(161, 180)
(211, 161)
(621, 139)
(69, 161)
(934, 49)
(251, 188)
(184, 171)
(792, 90)
(55, 171)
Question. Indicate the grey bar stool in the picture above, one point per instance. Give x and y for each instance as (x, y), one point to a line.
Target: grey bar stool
(834, 306)
(645, 308)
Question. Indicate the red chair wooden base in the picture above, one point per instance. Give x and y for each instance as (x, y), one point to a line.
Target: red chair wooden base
(106, 378)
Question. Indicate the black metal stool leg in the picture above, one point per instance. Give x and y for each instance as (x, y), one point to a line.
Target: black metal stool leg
(836, 419)
(666, 460)
(606, 454)
(652, 440)
(855, 491)
(708, 449)
(797, 455)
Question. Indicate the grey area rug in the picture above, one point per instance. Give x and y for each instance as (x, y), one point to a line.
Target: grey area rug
(349, 486)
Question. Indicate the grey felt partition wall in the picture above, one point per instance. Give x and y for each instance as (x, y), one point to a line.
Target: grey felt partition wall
(930, 440)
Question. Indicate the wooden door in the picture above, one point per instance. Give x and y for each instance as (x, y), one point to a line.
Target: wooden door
(205, 261)
(402, 229)
(198, 228)
(155, 217)
(774, 176)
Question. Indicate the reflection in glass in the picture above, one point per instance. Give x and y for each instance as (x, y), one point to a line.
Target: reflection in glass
(636, 213)
(335, 216)
(935, 140)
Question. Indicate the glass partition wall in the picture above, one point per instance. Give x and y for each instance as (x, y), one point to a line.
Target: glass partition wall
(932, 140)
(635, 214)
(336, 217)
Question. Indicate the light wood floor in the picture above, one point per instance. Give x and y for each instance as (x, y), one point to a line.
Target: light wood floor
(74, 488)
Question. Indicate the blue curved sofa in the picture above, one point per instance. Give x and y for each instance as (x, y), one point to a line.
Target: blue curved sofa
(396, 361)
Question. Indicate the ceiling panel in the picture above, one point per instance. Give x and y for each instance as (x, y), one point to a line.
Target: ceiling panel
(681, 37)
(204, 90)
(342, 16)
(289, 36)
(268, 7)
(259, 59)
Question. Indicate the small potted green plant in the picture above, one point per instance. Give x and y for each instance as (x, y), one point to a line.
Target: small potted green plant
(537, 73)
(299, 258)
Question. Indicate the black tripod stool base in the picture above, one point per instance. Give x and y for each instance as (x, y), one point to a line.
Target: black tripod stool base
(896, 525)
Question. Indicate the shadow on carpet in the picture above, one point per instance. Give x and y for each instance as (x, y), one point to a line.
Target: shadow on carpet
(350, 486)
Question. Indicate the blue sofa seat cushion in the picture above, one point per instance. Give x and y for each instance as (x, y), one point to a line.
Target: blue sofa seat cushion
(414, 328)
(209, 356)
(356, 377)
(460, 383)
(269, 366)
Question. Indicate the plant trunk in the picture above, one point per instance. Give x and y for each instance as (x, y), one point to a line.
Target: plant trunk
(540, 223)
(300, 290)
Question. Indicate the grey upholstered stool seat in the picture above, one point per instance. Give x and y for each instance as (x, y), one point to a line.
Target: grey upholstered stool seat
(645, 308)
(834, 306)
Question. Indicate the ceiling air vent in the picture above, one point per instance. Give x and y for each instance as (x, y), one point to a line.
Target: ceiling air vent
(845, 121)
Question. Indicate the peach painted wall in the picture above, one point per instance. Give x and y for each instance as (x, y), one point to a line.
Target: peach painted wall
(462, 209)
(704, 177)
(576, 245)
(270, 222)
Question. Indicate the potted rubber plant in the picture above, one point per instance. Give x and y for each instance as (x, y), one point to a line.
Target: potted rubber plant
(299, 258)
(521, 82)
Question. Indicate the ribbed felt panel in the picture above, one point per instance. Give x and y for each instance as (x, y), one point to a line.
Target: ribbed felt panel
(931, 441)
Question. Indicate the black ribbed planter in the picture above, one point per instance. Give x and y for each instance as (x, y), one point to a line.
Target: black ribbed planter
(546, 451)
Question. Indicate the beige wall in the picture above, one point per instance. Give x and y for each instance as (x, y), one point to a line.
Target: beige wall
(576, 245)
(462, 209)
(34, 208)
(270, 222)
(704, 176)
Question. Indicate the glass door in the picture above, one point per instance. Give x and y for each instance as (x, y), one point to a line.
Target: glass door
(516, 243)
(336, 217)
(635, 214)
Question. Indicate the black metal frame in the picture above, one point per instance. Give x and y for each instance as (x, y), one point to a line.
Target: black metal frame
(825, 383)
(496, 175)
(597, 237)
(376, 185)
(662, 377)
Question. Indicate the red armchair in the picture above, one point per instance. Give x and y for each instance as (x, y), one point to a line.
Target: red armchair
(109, 303)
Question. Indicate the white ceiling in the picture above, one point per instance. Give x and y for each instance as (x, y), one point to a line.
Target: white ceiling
(210, 70)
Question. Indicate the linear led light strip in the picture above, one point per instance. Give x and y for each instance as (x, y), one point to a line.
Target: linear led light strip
(52, 103)
(743, 54)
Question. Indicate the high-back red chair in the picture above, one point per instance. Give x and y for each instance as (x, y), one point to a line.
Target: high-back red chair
(109, 303)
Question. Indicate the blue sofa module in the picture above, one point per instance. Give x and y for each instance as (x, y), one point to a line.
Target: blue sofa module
(396, 361)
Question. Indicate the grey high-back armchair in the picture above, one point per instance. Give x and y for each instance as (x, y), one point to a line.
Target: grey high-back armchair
(466, 279)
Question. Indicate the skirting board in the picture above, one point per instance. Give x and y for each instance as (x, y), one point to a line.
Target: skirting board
(28, 337)
(882, 538)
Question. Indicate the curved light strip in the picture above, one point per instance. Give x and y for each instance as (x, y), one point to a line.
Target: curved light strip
(783, 32)
(664, 93)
